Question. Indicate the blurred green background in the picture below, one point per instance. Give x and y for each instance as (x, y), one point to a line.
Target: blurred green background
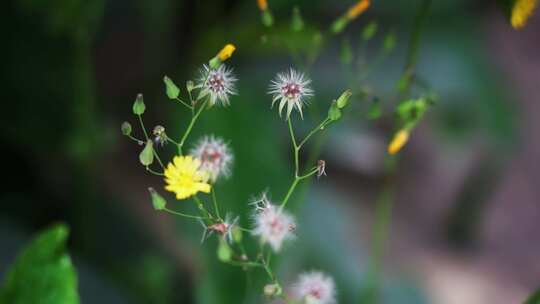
(466, 213)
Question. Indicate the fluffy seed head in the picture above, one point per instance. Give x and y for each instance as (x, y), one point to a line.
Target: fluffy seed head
(314, 288)
(218, 84)
(290, 88)
(272, 224)
(215, 156)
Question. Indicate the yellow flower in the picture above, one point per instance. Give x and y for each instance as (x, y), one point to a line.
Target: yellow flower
(262, 4)
(521, 11)
(399, 140)
(185, 178)
(357, 9)
(226, 52)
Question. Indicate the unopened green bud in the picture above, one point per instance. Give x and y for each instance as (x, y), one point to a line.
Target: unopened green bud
(224, 252)
(272, 290)
(297, 23)
(158, 201)
(138, 105)
(190, 85)
(237, 234)
(339, 25)
(147, 154)
(334, 113)
(369, 30)
(214, 63)
(343, 99)
(170, 88)
(126, 128)
(267, 18)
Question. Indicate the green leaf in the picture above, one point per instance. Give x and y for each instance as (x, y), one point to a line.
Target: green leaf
(126, 128)
(334, 113)
(158, 201)
(369, 30)
(138, 105)
(224, 252)
(534, 298)
(297, 23)
(171, 89)
(374, 110)
(42, 273)
(147, 154)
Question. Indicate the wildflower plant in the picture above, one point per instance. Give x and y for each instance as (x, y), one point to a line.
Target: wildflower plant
(194, 175)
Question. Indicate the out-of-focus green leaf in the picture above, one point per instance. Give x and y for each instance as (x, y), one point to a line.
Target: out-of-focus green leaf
(43, 272)
(267, 18)
(224, 252)
(297, 23)
(534, 298)
(369, 30)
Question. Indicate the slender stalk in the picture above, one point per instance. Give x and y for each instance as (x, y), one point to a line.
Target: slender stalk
(184, 103)
(296, 149)
(184, 215)
(190, 126)
(315, 130)
(216, 208)
(154, 172)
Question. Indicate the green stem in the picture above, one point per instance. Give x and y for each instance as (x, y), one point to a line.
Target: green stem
(296, 149)
(190, 126)
(142, 127)
(184, 103)
(216, 209)
(321, 126)
(154, 172)
(184, 215)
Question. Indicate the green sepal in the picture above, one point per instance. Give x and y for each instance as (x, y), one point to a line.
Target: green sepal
(158, 202)
(170, 88)
(147, 154)
(126, 128)
(138, 106)
(334, 113)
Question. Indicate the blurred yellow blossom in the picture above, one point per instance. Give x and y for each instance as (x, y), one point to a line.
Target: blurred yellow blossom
(262, 4)
(521, 11)
(357, 9)
(399, 140)
(226, 52)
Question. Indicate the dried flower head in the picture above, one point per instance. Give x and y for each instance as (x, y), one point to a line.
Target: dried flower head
(160, 137)
(224, 229)
(215, 156)
(321, 168)
(314, 288)
(218, 84)
(185, 177)
(272, 224)
(290, 88)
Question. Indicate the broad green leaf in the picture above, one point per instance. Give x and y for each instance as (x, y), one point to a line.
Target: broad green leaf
(170, 88)
(42, 273)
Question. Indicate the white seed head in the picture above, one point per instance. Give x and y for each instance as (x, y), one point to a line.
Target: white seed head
(272, 224)
(314, 288)
(215, 156)
(218, 84)
(292, 89)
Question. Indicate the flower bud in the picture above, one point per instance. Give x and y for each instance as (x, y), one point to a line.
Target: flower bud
(343, 99)
(334, 113)
(237, 234)
(297, 23)
(126, 128)
(399, 140)
(267, 18)
(190, 85)
(272, 290)
(170, 88)
(339, 25)
(160, 137)
(389, 42)
(224, 54)
(138, 105)
(369, 31)
(147, 154)
(224, 252)
(158, 201)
